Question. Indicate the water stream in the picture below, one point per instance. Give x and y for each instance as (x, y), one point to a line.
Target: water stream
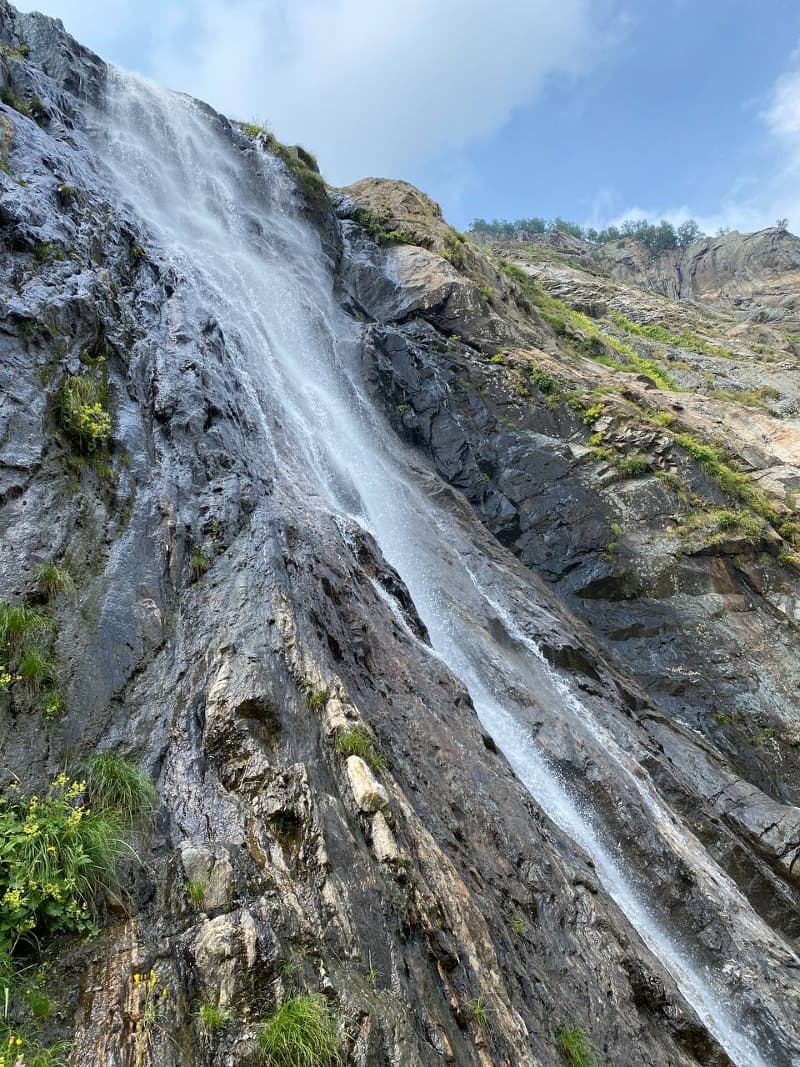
(225, 219)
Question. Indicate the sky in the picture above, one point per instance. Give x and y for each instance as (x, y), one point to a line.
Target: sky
(594, 110)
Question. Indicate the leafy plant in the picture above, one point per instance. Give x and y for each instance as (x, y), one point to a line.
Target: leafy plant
(56, 853)
(83, 410)
(114, 783)
(301, 1033)
(575, 1046)
(358, 741)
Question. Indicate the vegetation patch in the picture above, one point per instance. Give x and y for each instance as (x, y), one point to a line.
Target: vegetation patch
(53, 580)
(719, 525)
(635, 465)
(12, 99)
(196, 889)
(26, 658)
(736, 484)
(115, 784)
(301, 1033)
(686, 340)
(575, 1046)
(83, 410)
(358, 741)
(583, 335)
(212, 1017)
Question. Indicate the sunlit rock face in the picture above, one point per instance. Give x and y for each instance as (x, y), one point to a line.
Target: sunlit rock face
(453, 616)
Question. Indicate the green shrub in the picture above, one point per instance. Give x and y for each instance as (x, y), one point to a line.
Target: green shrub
(57, 853)
(575, 1046)
(114, 783)
(301, 1033)
(358, 741)
(83, 410)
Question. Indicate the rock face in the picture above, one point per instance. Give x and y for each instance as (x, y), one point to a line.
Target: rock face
(754, 275)
(230, 619)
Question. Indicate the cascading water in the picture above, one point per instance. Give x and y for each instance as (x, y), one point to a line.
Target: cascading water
(223, 218)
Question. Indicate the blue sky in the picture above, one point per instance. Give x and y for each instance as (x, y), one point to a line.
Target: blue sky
(592, 109)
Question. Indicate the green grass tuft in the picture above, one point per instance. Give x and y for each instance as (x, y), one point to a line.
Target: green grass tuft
(358, 741)
(114, 783)
(212, 1017)
(575, 1046)
(35, 669)
(196, 889)
(53, 580)
(17, 620)
(301, 1033)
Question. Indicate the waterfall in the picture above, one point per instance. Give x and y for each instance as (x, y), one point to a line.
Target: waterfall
(223, 217)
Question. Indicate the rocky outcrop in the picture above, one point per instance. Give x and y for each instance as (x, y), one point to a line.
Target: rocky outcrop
(753, 275)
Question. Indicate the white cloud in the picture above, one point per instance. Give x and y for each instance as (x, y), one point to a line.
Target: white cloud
(372, 86)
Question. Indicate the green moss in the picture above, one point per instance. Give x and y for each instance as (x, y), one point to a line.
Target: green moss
(48, 252)
(11, 98)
